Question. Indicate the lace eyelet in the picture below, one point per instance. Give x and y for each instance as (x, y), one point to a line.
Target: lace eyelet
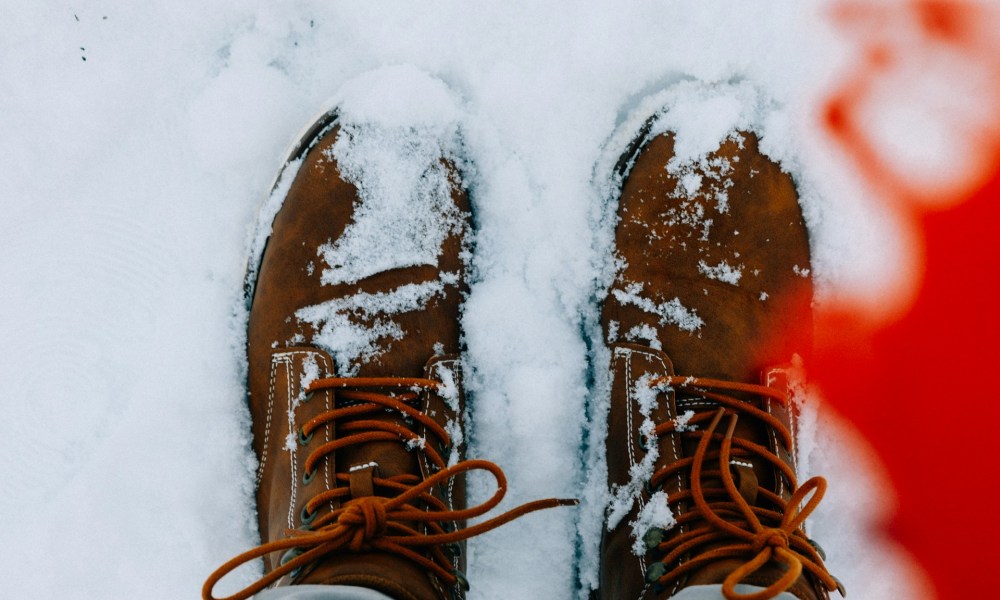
(840, 587)
(655, 571)
(307, 477)
(305, 439)
(306, 517)
(653, 538)
(290, 554)
(817, 548)
(460, 580)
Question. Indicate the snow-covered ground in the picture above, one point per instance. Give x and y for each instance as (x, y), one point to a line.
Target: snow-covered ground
(137, 142)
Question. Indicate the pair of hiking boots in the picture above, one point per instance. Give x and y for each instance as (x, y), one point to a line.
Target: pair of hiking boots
(355, 381)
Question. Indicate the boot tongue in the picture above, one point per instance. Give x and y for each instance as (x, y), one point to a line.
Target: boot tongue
(390, 458)
(749, 472)
(362, 482)
(746, 480)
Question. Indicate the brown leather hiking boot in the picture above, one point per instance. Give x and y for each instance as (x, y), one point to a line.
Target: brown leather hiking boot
(712, 297)
(355, 379)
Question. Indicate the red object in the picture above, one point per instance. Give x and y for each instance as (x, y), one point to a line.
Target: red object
(920, 391)
(918, 388)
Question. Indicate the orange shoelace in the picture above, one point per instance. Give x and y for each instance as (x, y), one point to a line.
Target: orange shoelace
(759, 534)
(379, 523)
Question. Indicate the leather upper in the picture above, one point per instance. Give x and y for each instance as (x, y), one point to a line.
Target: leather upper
(713, 282)
(284, 358)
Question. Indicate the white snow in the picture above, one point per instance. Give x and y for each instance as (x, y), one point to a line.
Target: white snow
(670, 312)
(405, 210)
(310, 373)
(341, 323)
(449, 392)
(682, 420)
(656, 513)
(131, 180)
(723, 272)
(644, 334)
(626, 495)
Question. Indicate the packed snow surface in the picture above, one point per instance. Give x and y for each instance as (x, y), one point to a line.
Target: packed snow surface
(139, 141)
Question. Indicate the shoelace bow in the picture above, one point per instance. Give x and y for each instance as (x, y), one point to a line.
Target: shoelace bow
(378, 523)
(757, 533)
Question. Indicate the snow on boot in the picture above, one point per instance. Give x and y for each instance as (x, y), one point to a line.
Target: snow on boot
(710, 306)
(355, 375)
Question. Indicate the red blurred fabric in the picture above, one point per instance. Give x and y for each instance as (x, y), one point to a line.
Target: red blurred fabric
(919, 388)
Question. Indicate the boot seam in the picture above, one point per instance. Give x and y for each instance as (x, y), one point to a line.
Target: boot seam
(267, 428)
